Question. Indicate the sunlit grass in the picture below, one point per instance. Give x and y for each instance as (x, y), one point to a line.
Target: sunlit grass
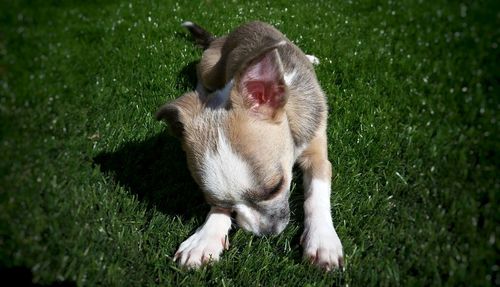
(94, 191)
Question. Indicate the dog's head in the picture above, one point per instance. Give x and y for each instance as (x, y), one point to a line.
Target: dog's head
(239, 145)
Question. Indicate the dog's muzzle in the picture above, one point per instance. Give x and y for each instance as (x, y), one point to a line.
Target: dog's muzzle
(262, 222)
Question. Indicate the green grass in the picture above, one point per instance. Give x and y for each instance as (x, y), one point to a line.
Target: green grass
(94, 191)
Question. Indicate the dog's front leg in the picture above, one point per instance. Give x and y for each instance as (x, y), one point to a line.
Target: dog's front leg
(208, 242)
(320, 241)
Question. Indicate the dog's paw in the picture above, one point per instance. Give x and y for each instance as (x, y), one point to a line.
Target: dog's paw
(322, 247)
(201, 248)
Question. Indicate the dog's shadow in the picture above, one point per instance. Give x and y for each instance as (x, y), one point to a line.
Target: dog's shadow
(155, 170)
(187, 78)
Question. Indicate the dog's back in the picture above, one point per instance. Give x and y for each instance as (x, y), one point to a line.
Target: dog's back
(224, 57)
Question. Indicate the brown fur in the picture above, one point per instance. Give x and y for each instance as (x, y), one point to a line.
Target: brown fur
(226, 56)
(211, 69)
(251, 139)
(314, 159)
(269, 147)
(258, 107)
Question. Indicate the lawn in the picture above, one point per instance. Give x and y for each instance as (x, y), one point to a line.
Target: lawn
(93, 190)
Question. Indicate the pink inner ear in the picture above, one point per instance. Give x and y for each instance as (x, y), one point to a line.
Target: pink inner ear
(261, 93)
(263, 85)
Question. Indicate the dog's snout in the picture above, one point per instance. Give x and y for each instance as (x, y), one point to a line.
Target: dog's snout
(262, 222)
(276, 222)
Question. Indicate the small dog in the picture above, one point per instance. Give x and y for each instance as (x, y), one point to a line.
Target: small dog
(257, 110)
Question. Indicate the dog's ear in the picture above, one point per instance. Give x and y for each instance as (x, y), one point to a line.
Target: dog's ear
(179, 112)
(261, 86)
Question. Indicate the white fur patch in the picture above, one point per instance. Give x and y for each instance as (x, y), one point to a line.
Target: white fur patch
(246, 218)
(223, 171)
(313, 59)
(321, 243)
(289, 77)
(207, 243)
(318, 200)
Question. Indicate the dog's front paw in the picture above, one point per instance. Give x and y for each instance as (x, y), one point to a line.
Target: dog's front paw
(322, 247)
(201, 248)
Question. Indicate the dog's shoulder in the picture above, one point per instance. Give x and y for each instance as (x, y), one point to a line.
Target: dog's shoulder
(307, 106)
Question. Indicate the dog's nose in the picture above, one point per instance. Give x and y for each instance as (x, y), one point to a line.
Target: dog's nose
(276, 224)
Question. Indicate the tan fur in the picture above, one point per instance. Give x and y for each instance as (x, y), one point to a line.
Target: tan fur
(179, 111)
(314, 159)
(262, 143)
(211, 69)
(227, 55)
(266, 146)
(306, 106)
(244, 133)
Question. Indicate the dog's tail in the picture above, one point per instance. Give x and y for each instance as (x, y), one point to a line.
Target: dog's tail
(201, 36)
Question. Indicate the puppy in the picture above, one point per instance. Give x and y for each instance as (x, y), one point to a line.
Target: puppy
(257, 110)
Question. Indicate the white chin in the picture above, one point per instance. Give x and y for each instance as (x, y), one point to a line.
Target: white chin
(246, 219)
(248, 227)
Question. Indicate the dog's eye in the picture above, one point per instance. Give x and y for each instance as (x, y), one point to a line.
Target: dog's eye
(275, 189)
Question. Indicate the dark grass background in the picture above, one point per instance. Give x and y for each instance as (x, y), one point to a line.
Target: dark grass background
(94, 191)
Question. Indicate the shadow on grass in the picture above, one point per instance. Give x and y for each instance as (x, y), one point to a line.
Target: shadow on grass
(187, 78)
(296, 207)
(156, 171)
(22, 276)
